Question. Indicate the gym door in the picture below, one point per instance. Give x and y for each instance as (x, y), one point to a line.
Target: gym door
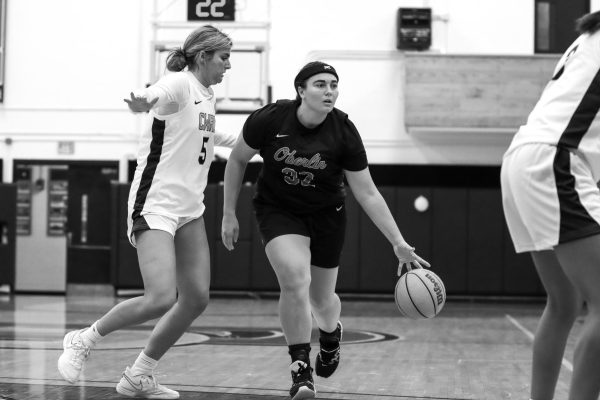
(88, 240)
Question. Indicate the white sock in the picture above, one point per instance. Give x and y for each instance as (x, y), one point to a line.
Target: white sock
(143, 365)
(90, 336)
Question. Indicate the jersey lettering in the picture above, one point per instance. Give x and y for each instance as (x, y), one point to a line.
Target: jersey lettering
(289, 157)
(207, 122)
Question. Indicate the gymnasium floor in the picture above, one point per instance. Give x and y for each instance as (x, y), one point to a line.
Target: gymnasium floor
(235, 351)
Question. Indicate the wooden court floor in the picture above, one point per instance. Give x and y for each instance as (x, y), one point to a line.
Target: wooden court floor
(235, 350)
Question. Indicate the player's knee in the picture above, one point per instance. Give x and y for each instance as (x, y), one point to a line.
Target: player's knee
(322, 301)
(196, 303)
(564, 309)
(163, 306)
(295, 282)
(159, 304)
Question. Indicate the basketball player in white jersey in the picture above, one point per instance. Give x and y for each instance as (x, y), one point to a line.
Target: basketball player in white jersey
(552, 207)
(165, 221)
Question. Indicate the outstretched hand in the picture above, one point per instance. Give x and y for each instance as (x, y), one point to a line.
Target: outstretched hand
(407, 257)
(139, 103)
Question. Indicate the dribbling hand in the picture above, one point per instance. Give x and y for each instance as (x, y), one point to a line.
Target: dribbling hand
(407, 257)
(139, 104)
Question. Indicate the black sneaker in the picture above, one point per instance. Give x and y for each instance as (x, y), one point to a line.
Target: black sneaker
(303, 386)
(328, 360)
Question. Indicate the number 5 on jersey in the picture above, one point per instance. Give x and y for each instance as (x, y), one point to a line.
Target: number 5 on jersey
(202, 156)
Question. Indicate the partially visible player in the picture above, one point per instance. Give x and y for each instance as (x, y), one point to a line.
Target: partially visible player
(307, 146)
(552, 207)
(165, 220)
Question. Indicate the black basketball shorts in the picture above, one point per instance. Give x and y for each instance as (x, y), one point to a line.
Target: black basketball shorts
(326, 229)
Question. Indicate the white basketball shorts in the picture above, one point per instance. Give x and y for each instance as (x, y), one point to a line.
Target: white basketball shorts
(549, 197)
(145, 221)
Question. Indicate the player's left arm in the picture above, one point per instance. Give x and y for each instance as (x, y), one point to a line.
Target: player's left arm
(225, 139)
(372, 202)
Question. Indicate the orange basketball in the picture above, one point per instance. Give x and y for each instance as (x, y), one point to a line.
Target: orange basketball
(420, 294)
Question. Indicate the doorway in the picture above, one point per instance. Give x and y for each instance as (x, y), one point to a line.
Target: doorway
(63, 224)
(88, 215)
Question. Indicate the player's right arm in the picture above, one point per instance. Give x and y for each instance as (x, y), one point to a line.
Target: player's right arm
(168, 95)
(234, 173)
(139, 103)
(374, 205)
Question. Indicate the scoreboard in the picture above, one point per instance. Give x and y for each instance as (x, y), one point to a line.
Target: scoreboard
(211, 10)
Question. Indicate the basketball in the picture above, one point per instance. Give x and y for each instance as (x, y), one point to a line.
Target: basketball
(420, 294)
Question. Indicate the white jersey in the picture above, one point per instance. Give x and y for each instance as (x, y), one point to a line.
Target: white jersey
(176, 151)
(565, 114)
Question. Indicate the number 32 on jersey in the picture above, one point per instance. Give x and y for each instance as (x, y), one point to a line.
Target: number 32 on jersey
(293, 177)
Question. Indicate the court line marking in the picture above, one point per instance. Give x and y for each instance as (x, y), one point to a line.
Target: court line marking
(205, 389)
(531, 336)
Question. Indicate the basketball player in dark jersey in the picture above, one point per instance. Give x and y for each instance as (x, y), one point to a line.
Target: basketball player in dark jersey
(552, 207)
(308, 147)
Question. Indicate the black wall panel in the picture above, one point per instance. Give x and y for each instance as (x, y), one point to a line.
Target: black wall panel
(125, 270)
(212, 226)
(232, 269)
(485, 242)
(462, 234)
(520, 277)
(449, 237)
(414, 225)
(212, 194)
(262, 277)
(8, 227)
(349, 271)
(378, 263)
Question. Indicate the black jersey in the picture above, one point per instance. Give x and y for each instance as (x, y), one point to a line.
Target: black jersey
(303, 168)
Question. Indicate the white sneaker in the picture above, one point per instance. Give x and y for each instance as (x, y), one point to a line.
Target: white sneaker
(143, 386)
(70, 363)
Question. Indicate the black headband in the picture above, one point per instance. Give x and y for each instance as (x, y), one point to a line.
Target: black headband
(311, 69)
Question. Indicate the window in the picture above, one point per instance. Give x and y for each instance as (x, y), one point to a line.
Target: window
(542, 27)
(555, 23)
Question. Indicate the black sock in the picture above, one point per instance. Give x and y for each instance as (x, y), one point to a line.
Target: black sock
(300, 352)
(328, 340)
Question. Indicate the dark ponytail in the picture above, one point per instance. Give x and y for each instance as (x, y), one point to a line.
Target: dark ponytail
(176, 61)
(589, 23)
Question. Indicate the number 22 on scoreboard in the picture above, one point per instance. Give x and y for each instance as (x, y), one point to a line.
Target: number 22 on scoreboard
(210, 8)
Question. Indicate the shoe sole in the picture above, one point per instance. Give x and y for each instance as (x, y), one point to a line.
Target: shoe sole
(304, 393)
(129, 393)
(125, 392)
